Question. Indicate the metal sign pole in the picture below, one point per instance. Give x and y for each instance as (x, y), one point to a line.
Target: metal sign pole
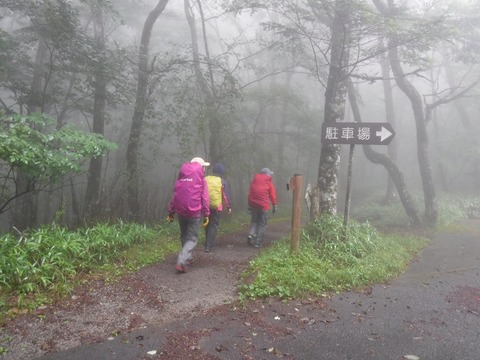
(346, 214)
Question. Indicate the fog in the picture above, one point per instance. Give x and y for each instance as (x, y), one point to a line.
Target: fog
(246, 86)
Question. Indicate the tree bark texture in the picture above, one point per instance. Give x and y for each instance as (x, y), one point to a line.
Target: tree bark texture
(335, 99)
(139, 111)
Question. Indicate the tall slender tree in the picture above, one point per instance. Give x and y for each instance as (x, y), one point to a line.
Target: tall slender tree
(391, 118)
(335, 100)
(52, 28)
(92, 200)
(377, 158)
(141, 103)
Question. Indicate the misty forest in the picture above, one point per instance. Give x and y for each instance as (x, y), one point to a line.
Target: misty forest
(101, 101)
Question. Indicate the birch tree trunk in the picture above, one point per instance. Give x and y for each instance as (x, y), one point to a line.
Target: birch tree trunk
(335, 99)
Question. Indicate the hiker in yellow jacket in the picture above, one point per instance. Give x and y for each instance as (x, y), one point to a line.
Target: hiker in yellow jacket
(219, 198)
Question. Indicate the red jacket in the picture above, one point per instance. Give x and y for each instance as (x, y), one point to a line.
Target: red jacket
(262, 192)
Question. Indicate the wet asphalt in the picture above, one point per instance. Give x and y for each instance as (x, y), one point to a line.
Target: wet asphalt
(430, 312)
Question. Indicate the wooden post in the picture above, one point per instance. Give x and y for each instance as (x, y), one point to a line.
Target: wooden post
(296, 185)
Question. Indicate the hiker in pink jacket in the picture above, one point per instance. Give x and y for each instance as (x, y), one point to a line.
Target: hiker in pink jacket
(190, 202)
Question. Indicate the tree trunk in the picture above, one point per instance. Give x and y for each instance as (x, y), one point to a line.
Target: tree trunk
(214, 121)
(335, 99)
(25, 212)
(393, 171)
(207, 86)
(92, 200)
(75, 202)
(430, 198)
(390, 118)
(281, 141)
(139, 112)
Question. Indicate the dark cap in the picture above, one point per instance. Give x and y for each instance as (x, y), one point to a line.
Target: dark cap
(218, 169)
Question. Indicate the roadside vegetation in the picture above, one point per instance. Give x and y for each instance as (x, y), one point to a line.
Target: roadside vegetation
(42, 265)
(326, 261)
(45, 264)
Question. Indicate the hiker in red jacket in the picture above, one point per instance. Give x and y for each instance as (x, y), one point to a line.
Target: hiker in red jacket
(260, 195)
(190, 202)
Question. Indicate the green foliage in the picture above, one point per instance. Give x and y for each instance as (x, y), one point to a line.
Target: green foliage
(326, 262)
(48, 262)
(329, 261)
(32, 144)
(50, 259)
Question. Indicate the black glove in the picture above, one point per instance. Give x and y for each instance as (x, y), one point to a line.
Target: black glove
(274, 210)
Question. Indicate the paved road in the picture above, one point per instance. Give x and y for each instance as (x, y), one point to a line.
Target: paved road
(431, 312)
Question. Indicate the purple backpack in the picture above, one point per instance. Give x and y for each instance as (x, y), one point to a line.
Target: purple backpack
(190, 196)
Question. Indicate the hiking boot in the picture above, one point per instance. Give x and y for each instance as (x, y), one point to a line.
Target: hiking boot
(250, 239)
(208, 250)
(257, 245)
(181, 268)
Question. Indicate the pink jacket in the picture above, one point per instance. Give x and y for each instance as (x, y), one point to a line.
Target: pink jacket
(190, 195)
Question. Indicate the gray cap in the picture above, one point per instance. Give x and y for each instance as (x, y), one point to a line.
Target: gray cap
(266, 171)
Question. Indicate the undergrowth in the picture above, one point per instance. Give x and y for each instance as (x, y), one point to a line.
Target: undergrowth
(328, 262)
(45, 264)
